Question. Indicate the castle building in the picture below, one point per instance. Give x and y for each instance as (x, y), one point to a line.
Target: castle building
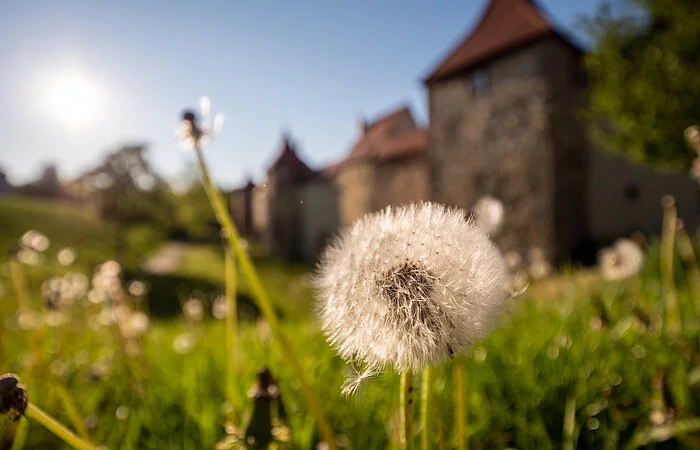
(504, 121)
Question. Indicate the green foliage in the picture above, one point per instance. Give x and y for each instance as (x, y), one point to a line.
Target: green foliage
(194, 213)
(550, 347)
(644, 83)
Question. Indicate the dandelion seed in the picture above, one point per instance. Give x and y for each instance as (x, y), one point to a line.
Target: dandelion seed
(353, 382)
(66, 256)
(390, 292)
(191, 133)
(489, 214)
(624, 260)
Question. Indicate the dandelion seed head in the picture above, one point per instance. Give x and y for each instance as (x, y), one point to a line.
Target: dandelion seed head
(408, 287)
(624, 260)
(489, 214)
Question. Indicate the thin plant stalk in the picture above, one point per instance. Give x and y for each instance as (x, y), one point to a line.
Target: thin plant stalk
(425, 401)
(262, 300)
(687, 252)
(18, 283)
(439, 431)
(672, 312)
(72, 412)
(20, 434)
(460, 408)
(35, 413)
(569, 423)
(231, 327)
(406, 406)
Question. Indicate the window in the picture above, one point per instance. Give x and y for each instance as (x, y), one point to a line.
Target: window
(480, 82)
(631, 192)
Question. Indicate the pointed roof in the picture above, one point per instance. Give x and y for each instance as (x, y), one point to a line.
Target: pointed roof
(392, 135)
(288, 159)
(504, 25)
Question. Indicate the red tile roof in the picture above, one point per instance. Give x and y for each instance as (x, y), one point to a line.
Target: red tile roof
(288, 159)
(505, 25)
(393, 135)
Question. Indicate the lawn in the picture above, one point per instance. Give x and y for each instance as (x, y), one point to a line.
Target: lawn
(575, 362)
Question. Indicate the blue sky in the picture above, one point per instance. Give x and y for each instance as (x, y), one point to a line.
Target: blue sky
(309, 67)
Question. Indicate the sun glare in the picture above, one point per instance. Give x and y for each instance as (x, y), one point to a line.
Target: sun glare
(70, 98)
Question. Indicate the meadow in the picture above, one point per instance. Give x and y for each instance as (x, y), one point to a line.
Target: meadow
(575, 362)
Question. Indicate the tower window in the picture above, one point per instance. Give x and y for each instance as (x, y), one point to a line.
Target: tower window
(480, 82)
(631, 192)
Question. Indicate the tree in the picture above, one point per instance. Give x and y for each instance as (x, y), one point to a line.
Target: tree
(644, 76)
(129, 192)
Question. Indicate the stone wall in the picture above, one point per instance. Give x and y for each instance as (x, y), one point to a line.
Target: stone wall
(401, 181)
(564, 70)
(626, 197)
(355, 182)
(497, 143)
(318, 207)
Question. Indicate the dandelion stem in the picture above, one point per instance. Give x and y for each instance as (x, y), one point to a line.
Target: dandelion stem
(72, 411)
(425, 409)
(262, 300)
(20, 434)
(673, 315)
(231, 327)
(569, 423)
(406, 406)
(460, 422)
(687, 252)
(51, 424)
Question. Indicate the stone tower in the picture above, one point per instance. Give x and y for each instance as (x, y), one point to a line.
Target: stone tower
(285, 175)
(503, 111)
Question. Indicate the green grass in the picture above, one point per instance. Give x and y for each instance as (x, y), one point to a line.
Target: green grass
(548, 352)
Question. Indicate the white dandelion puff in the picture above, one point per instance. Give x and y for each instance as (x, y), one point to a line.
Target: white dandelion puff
(219, 309)
(66, 256)
(489, 214)
(621, 261)
(409, 287)
(193, 309)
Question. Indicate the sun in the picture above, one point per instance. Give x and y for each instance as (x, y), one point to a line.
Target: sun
(71, 98)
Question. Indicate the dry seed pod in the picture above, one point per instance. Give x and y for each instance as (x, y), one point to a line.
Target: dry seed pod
(13, 397)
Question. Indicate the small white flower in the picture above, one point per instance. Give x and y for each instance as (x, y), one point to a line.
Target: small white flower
(624, 260)
(66, 256)
(489, 213)
(220, 308)
(135, 325)
(34, 240)
(137, 288)
(409, 287)
(540, 268)
(193, 309)
(184, 343)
